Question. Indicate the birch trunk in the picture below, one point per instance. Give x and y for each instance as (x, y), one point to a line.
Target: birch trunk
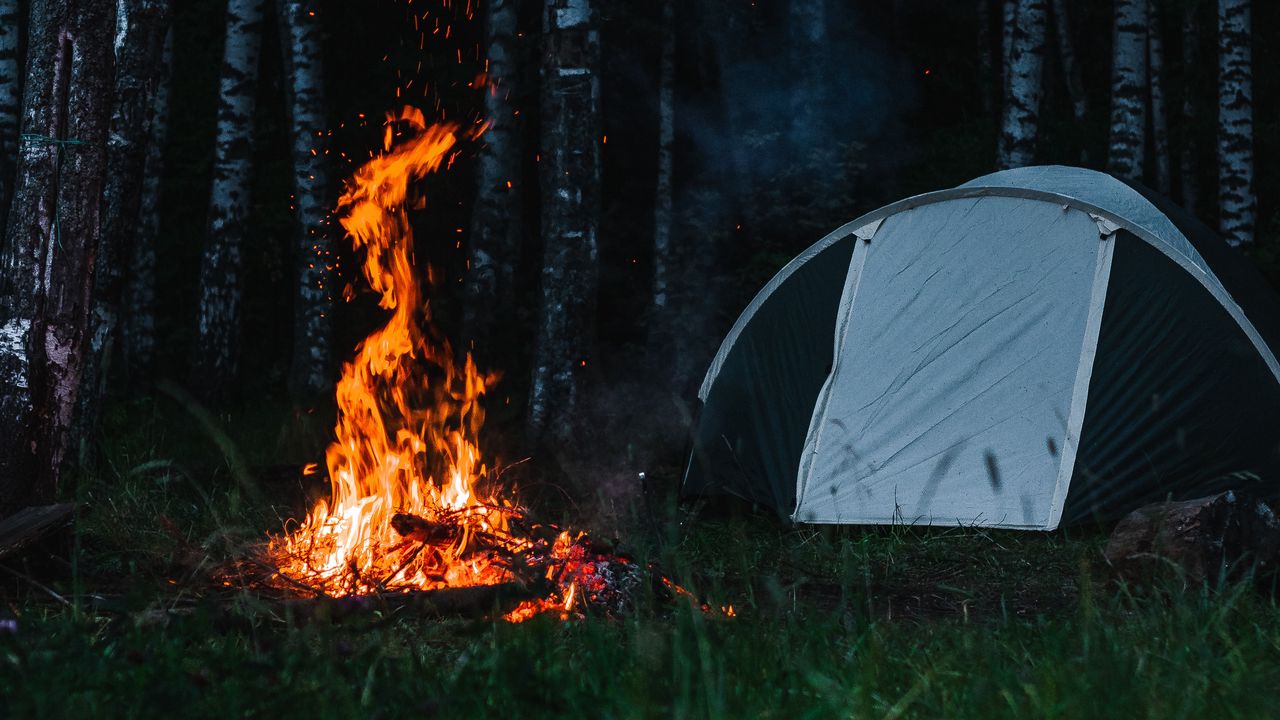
(1070, 65)
(663, 202)
(1237, 204)
(570, 215)
(1159, 115)
(1022, 95)
(1128, 90)
(808, 43)
(312, 366)
(10, 99)
(1190, 61)
(218, 328)
(139, 318)
(495, 223)
(139, 42)
(46, 269)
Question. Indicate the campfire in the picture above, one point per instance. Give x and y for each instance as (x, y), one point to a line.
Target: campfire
(413, 506)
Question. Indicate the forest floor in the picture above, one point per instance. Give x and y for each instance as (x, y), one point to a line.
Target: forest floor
(893, 622)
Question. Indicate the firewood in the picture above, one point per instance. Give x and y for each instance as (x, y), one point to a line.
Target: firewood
(1201, 538)
(447, 602)
(423, 530)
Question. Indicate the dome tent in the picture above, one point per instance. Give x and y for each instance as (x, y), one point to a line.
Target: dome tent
(1036, 346)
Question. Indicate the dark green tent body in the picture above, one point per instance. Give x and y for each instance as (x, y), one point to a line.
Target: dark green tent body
(1036, 346)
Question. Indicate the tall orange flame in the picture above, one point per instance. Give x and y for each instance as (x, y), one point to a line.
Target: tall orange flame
(408, 415)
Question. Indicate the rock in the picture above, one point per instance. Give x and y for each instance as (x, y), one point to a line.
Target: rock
(1199, 538)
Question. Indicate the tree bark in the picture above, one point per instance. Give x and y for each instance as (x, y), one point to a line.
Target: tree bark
(10, 99)
(139, 318)
(1022, 95)
(496, 229)
(1070, 65)
(663, 218)
(986, 66)
(47, 265)
(139, 43)
(312, 365)
(1237, 204)
(808, 46)
(1159, 115)
(1190, 61)
(1008, 21)
(216, 356)
(570, 215)
(1128, 90)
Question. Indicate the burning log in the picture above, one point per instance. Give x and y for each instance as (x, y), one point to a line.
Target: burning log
(420, 529)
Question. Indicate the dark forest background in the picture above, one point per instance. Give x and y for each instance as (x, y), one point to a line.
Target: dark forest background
(911, 95)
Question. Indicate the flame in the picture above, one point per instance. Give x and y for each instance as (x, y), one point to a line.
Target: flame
(408, 414)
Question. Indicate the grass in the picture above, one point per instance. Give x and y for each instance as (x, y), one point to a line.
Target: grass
(830, 623)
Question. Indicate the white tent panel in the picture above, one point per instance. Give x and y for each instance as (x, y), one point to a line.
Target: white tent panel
(959, 346)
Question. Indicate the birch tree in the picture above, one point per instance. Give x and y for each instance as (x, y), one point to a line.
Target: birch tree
(10, 98)
(663, 198)
(218, 325)
(1021, 118)
(140, 318)
(141, 26)
(311, 368)
(495, 223)
(1237, 204)
(46, 268)
(1128, 90)
(570, 170)
(1070, 65)
(1159, 115)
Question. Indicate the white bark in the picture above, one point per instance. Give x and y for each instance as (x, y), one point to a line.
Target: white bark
(570, 173)
(663, 201)
(1159, 114)
(1128, 90)
(140, 298)
(496, 230)
(216, 354)
(1237, 204)
(313, 304)
(1021, 118)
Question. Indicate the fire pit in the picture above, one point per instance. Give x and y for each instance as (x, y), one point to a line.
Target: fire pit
(413, 507)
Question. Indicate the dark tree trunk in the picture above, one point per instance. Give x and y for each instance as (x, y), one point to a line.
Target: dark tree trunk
(216, 355)
(495, 223)
(140, 318)
(1190, 62)
(1159, 113)
(663, 219)
(986, 66)
(141, 27)
(1237, 203)
(312, 365)
(1070, 65)
(48, 262)
(1129, 90)
(10, 99)
(570, 175)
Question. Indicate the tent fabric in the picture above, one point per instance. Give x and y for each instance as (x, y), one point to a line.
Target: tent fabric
(1037, 345)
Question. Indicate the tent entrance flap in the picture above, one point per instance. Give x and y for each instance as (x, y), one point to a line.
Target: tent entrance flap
(951, 399)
